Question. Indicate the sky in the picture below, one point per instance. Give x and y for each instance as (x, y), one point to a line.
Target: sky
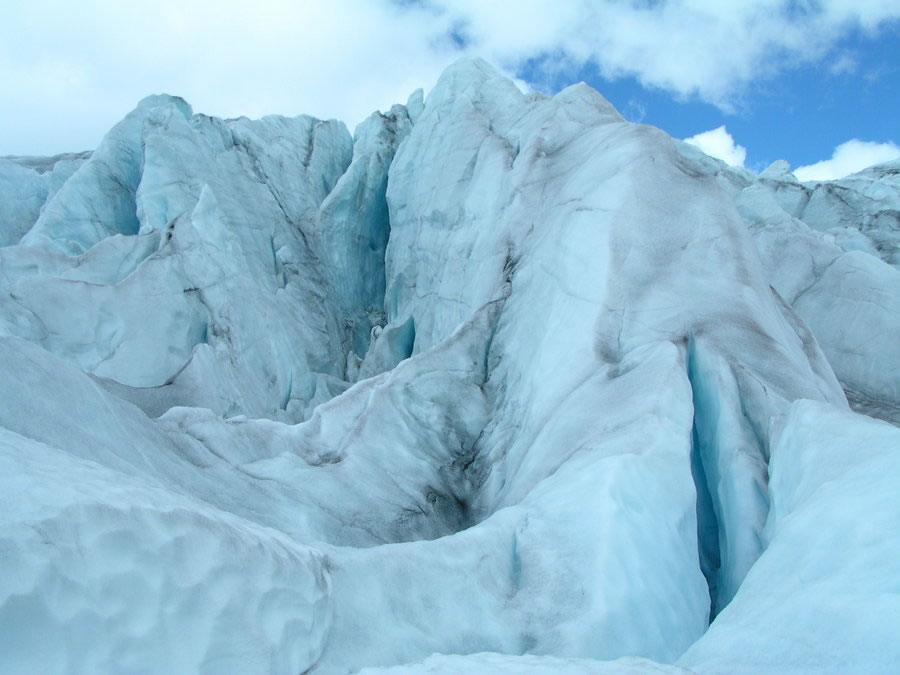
(815, 82)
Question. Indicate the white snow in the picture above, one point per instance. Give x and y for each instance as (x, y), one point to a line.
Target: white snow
(500, 383)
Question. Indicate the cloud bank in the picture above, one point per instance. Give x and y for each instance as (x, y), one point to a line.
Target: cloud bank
(718, 143)
(849, 157)
(76, 68)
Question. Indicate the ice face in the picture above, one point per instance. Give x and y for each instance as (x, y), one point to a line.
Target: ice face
(498, 375)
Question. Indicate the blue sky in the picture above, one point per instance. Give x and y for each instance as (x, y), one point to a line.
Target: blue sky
(801, 114)
(810, 81)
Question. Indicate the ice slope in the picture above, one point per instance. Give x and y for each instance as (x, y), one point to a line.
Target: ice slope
(103, 572)
(830, 250)
(499, 375)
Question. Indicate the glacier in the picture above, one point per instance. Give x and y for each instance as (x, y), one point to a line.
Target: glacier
(500, 382)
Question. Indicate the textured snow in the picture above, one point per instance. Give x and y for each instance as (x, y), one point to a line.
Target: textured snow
(499, 383)
(103, 572)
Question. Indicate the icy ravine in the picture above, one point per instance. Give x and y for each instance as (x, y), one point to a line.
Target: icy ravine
(545, 394)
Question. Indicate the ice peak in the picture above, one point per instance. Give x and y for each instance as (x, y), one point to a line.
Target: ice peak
(474, 79)
(582, 93)
(415, 104)
(780, 168)
(162, 100)
(470, 67)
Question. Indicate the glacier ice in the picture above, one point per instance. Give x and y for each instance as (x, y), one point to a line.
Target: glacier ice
(498, 383)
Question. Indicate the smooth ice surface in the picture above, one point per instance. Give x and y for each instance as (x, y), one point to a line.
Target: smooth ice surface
(498, 383)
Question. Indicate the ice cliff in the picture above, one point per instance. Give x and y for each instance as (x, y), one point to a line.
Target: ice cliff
(500, 377)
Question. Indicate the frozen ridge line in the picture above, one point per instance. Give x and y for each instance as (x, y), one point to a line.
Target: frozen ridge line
(498, 383)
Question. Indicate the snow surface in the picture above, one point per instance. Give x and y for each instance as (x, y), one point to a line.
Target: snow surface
(499, 378)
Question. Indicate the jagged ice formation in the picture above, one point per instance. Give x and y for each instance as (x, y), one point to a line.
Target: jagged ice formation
(500, 377)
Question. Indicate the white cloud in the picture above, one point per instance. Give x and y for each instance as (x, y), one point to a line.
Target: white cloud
(708, 48)
(718, 143)
(70, 70)
(849, 157)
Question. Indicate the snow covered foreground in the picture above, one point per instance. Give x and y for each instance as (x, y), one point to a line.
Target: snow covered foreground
(501, 378)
